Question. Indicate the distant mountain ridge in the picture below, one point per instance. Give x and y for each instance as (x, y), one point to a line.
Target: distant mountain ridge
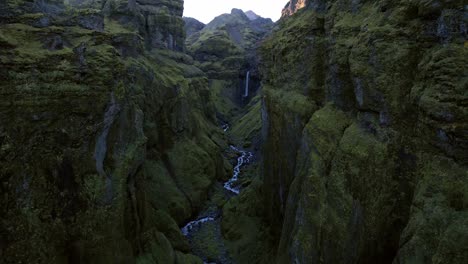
(225, 49)
(251, 15)
(192, 26)
(238, 25)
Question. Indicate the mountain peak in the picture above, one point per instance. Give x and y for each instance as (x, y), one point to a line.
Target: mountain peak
(251, 15)
(236, 11)
(192, 26)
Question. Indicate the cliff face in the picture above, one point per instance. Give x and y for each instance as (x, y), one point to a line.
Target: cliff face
(293, 6)
(192, 26)
(366, 120)
(107, 141)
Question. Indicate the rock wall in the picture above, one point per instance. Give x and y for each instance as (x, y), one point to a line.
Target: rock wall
(365, 119)
(158, 21)
(293, 6)
(107, 136)
(192, 26)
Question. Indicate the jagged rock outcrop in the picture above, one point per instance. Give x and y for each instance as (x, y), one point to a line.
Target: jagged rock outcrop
(251, 15)
(107, 136)
(158, 21)
(192, 26)
(365, 119)
(228, 39)
(293, 6)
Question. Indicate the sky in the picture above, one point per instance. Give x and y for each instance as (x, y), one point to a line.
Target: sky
(206, 10)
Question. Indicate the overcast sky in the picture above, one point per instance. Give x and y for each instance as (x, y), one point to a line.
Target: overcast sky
(206, 10)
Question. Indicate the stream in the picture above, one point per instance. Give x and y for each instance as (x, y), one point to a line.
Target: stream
(204, 233)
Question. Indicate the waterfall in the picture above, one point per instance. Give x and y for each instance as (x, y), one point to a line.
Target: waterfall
(246, 94)
(101, 143)
(100, 149)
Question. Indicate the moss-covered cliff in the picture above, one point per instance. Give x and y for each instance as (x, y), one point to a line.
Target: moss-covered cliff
(107, 136)
(109, 140)
(366, 126)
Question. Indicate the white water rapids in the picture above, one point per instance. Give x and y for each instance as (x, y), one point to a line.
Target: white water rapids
(243, 159)
(187, 228)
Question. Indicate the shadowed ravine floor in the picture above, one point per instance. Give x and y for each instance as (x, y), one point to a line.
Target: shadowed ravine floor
(204, 233)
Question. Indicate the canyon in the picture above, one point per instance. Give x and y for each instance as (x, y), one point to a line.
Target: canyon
(132, 134)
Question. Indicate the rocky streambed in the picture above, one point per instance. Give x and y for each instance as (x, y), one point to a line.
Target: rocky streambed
(204, 233)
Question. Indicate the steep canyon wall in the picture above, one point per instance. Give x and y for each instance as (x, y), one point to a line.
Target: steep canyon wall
(366, 125)
(107, 135)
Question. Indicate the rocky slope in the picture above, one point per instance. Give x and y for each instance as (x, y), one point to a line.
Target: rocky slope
(366, 123)
(107, 136)
(192, 26)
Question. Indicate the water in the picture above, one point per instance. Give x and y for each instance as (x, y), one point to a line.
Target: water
(101, 143)
(195, 224)
(100, 150)
(243, 159)
(209, 220)
(247, 79)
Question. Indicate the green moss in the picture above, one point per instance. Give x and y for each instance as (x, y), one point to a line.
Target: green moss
(438, 217)
(162, 191)
(247, 236)
(159, 250)
(31, 17)
(113, 27)
(359, 145)
(397, 94)
(216, 43)
(290, 51)
(60, 97)
(224, 106)
(321, 137)
(291, 102)
(194, 170)
(219, 198)
(206, 242)
(165, 224)
(15, 3)
(326, 127)
(248, 126)
(182, 258)
(28, 47)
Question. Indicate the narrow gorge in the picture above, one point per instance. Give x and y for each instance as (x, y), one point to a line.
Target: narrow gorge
(130, 133)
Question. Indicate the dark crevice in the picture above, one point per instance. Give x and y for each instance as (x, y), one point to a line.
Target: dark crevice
(136, 212)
